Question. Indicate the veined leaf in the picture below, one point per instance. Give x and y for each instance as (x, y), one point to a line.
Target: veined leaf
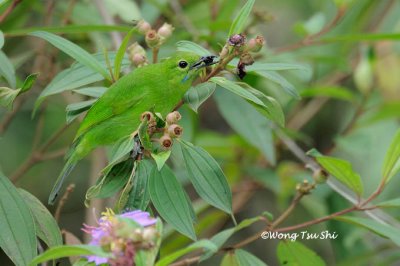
(280, 80)
(201, 244)
(119, 150)
(381, 229)
(68, 251)
(73, 110)
(160, 158)
(295, 253)
(245, 258)
(1, 39)
(46, 227)
(247, 122)
(394, 203)
(69, 29)
(169, 199)
(95, 92)
(239, 22)
(391, 164)
(17, 227)
(188, 46)
(342, 170)
(120, 54)
(196, 95)
(7, 96)
(207, 177)
(277, 67)
(7, 70)
(73, 50)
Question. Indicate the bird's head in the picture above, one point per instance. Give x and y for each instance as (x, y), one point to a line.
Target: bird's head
(184, 66)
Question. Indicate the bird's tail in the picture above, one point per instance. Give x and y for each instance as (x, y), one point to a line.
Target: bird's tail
(68, 167)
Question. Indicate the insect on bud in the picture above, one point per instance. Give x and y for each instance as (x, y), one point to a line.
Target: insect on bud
(143, 26)
(237, 40)
(255, 44)
(165, 31)
(147, 115)
(166, 141)
(152, 38)
(175, 131)
(173, 117)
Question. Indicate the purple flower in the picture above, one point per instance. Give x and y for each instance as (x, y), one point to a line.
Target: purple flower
(120, 238)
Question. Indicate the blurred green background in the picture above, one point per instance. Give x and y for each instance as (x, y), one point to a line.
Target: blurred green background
(367, 73)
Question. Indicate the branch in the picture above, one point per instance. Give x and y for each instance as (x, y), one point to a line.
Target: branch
(9, 10)
(63, 200)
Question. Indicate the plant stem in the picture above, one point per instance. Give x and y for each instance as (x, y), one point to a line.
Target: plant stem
(155, 54)
(9, 10)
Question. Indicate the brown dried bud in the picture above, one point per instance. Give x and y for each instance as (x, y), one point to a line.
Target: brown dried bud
(166, 141)
(165, 31)
(175, 131)
(255, 44)
(246, 59)
(173, 117)
(237, 40)
(147, 115)
(152, 39)
(143, 26)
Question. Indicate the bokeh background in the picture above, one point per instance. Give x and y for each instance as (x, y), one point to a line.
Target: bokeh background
(355, 122)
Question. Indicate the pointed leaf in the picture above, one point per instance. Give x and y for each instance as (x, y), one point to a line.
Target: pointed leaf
(239, 22)
(196, 95)
(295, 253)
(17, 228)
(1, 39)
(7, 96)
(391, 164)
(187, 46)
(160, 158)
(29, 81)
(73, 110)
(394, 203)
(95, 92)
(7, 70)
(207, 177)
(277, 67)
(245, 258)
(169, 199)
(120, 53)
(73, 50)
(280, 80)
(45, 225)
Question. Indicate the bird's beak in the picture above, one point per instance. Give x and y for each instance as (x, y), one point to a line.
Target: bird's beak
(204, 62)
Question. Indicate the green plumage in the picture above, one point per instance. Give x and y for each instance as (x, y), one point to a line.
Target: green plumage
(117, 113)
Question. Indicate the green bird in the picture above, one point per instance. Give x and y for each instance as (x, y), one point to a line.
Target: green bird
(116, 113)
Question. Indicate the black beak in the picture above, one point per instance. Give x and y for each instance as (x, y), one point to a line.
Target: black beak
(204, 61)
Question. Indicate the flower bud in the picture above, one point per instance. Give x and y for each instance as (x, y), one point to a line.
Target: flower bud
(147, 115)
(143, 26)
(165, 31)
(173, 117)
(175, 131)
(246, 59)
(255, 44)
(152, 39)
(166, 142)
(237, 40)
(139, 60)
(136, 48)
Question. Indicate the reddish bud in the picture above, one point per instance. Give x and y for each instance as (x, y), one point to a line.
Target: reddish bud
(173, 117)
(143, 26)
(237, 40)
(147, 115)
(255, 44)
(166, 141)
(152, 38)
(165, 31)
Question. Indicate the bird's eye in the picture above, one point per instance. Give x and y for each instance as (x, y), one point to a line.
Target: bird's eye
(182, 64)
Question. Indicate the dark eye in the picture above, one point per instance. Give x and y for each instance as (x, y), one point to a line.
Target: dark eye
(182, 64)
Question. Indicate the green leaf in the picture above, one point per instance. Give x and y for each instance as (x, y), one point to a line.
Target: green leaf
(73, 110)
(196, 95)
(335, 92)
(343, 171)
(206, 176)
(160, 158)
(1, 39)
(280, 80)
(381, 229)
(169, 199)
(257, 66)
(17, 227)
(144, 136)
(246, 121)
(75, 51)
(239, 22)
(95, 92)
(29, 81)
(120, 54)
(201, 244)
(7, 70)
(69, 29)
(147, 257)
(187, 46)
(76, 76)
(119, 151)
(394, 203)
(69, 251)
(229, 259)
(223, 236)
(7, 96)
(46, 227)
(245, 258)
(391, 164)
(139, 196)
(235, 88)
(295, 253)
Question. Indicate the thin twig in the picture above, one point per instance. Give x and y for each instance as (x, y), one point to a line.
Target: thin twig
(63, 200)
(155, 54)
(9, 10)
